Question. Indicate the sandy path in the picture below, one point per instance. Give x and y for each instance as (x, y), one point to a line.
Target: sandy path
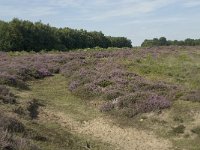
(106, 131)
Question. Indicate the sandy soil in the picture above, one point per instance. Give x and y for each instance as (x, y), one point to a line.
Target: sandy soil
(104, 130)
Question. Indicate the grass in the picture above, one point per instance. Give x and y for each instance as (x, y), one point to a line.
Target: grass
(177, 124)
(53, 93)
(59, 137)
(182, 68)
(196, 130)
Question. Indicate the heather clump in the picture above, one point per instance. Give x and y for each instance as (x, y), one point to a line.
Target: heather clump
(193, 96)
(8, 141)
(94, 74)
(15, 71)
(112, 94)
(152, 103)
(106, 107)
(135, 103)
(6, 96)
(11, 124)
(104, 78)
(12, 80)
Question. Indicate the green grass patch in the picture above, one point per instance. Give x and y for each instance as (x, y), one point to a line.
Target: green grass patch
(54, 93)
(182, 68)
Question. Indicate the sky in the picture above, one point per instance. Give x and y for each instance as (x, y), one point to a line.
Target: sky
(134, 19)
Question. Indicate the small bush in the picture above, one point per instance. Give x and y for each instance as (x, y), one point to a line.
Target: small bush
(11, 124)
(107, 107)
(9, 141)
(6, 96)
(196, 130)
(19, 110)
(128, 112)
(153, 103)
(179, 129)
(33, 108)
(12, 81)
(127, 100)
(39, 138)
(178, 119)
(74, 85)
(112, 94)
(104, 83)
(87, 91)
(193, 96)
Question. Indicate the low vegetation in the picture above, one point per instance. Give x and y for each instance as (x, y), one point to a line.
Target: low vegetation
(48, 98)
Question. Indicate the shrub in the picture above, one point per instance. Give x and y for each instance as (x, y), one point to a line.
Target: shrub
(112, 94)
(154, 102)
(106, 107)
(19, 110)
(6, 79)
(6, 96)
(33, 108)
(128, 112)
(4, 140)
(11, 124)
(196, 130)
(179, 129)
(104, 83)
(87, 91)
(74, 85)
(128, 100)
(193, 96)
(10, 142)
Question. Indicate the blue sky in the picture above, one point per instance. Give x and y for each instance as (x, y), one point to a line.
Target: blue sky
(135, 19)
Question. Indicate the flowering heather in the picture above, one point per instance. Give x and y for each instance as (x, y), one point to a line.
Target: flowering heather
(106, 107)
(154, 102)
(73, 85)
(93, 74)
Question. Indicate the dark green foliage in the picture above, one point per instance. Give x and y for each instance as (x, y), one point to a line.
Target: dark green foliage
(179, 129)
(33, 108)
(104, 83)
(196, 130)
(119, 42)
(164, 42)
(155, 42)
(18, 35)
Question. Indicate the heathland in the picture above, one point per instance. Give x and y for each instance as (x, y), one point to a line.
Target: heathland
(115, 98)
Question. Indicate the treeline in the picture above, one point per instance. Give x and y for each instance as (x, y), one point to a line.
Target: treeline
(164, 42)
(25, 35)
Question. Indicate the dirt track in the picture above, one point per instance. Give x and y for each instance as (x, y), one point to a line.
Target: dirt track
(104, 130)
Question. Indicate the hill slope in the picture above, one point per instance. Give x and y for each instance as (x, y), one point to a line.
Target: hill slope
(107, 99)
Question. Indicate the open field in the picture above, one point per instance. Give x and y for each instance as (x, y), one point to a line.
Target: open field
(123, 99)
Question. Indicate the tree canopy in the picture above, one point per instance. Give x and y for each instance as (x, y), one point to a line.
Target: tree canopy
(18, 35)
(164, 42)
